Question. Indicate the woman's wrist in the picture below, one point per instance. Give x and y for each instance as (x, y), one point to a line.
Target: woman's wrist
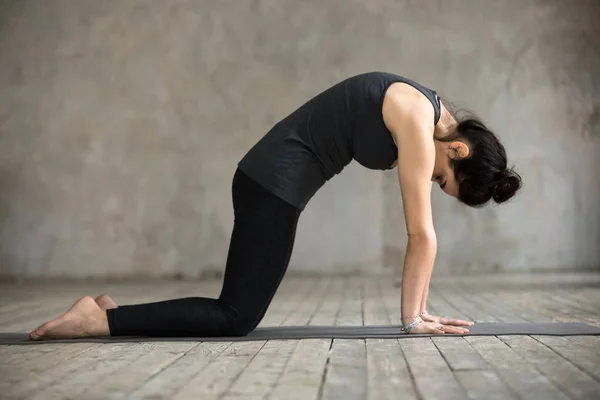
(409, 327)
(414, 316)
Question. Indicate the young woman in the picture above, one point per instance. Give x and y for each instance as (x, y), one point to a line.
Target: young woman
(382, 121)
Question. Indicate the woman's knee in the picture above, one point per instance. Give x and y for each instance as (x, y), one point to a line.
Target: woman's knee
(240, 330)
(241, 323)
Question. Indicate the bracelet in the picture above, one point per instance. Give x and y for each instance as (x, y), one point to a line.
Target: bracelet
(415, 316)
(409, 327)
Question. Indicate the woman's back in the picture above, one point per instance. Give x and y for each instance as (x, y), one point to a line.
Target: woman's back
(315, 142)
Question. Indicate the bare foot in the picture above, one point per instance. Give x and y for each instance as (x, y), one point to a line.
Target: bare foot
(105, 302)
(84, 318)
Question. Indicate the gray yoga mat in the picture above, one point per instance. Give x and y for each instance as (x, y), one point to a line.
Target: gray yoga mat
(335, 332)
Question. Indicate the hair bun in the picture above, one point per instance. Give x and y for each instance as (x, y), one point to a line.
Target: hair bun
(507, 186)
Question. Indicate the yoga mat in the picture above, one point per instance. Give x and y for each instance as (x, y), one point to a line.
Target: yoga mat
(335, 332)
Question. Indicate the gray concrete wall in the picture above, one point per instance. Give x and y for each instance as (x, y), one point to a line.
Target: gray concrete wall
(121, 123)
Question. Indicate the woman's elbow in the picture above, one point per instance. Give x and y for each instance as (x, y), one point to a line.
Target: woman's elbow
(423, 236)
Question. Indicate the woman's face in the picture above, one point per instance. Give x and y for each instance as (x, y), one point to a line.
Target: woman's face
(443, 174)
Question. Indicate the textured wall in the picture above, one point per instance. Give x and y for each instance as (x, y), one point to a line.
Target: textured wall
(121, 123)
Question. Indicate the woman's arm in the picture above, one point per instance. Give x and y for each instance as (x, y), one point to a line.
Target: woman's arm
(425, 295)
(409, 117)
(406, 118)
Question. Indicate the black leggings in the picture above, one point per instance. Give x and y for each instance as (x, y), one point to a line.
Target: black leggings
(259, 252)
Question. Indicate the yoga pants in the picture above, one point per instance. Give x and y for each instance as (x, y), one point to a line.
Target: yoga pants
(259, 252)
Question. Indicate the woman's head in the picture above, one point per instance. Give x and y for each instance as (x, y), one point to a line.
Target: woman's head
(471, 164)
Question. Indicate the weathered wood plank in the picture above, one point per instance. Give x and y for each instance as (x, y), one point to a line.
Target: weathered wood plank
(570, 379)
(437, 305)
(303, 374)
(553, 306)
(391, 297)
(484, 384)
(518, 374)
(375, 312)
(347, 371)
(201, 378)
(260, 376)
(85, 361)
(310, 304)
(22, 354)
(589, 297)
(33, 363)
(329, 308)
(127, 377)
(284, 304)
(508, 311)
(263, 372)
(580, 301)
(388, 373)
(433, 377)
(257, 372)
(592, 342)
(100, 370)
(586, 358)
(459, 354)
(458, 297)
(490, 304)
(350, 312)
(539, 367)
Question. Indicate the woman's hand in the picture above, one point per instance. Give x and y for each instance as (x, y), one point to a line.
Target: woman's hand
(437, 328)
(445, 321)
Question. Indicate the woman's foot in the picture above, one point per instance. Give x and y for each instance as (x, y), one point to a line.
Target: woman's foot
(105, 302)
(84, 318)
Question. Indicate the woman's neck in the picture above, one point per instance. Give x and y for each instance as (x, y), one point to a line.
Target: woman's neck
(446, 124)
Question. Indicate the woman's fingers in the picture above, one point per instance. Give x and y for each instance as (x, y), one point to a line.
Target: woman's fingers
(438, 328)
(454, 329)
(446, 321)
(455, 322)
(435, 330)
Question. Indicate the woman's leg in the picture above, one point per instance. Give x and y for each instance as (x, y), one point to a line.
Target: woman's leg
(260, 249)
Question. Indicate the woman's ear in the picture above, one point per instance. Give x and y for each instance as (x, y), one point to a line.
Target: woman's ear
(460, 149)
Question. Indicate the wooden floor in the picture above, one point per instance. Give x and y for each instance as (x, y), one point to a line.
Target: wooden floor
(502, 367)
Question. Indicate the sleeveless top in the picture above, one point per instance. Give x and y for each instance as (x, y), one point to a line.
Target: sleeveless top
(315, 142)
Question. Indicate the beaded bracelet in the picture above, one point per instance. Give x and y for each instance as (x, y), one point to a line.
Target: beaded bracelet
(415, 316)
(410, 326)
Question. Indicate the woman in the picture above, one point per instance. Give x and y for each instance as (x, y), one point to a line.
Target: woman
(381, 120)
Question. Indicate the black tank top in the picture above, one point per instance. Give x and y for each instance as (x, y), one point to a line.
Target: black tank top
(314, 143)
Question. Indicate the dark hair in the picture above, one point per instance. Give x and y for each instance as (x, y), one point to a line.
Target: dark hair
(483, 175)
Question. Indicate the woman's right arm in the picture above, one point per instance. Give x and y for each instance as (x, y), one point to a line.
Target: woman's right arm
(409, 120)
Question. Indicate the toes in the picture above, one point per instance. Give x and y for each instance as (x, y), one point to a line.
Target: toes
(101, 298)
(40, 331)
(105, 302)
